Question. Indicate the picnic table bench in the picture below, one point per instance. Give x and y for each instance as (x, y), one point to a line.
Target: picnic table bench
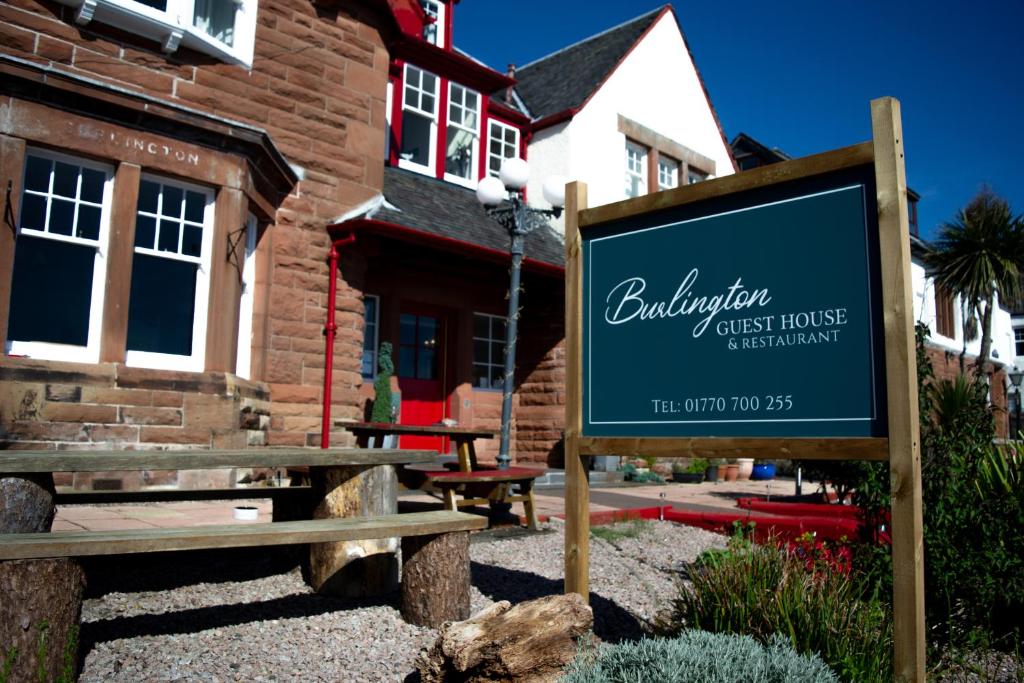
(337, 476)
(476, 485)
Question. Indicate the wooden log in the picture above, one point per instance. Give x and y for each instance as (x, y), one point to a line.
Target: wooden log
(529, 643)
(42, 599)
(435, 579)
(354, 568)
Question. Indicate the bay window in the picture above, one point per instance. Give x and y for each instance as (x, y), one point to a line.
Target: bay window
(503, 143)
(462, 141)
(419, 120)
(57, 286)
(170, 275)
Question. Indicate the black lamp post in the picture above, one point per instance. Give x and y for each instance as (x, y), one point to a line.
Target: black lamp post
(519, 220)
(1016, 375)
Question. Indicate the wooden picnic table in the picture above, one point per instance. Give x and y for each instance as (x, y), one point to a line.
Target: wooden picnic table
(345, 482)
(462, 436)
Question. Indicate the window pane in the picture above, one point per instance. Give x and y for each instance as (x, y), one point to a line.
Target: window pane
(148, 193)
(408, 330)
(416, 138)
(92, 185)
(498, 328)
(162, 305)
(425, 368)
(168, 240)
(498, 353)
(172, 201)
(481, 326)
(407, 361)
(195, 204)
(51, 291)
(145, 231)
(427, 103)
(368, 363)
(480, 377)
(37, 174)
(459, 152)
(33, 212)
(480, 351)
(65, 180)
(427, 331)
(62, 217)
(88, 222)
(216, 18)
(156, 4)
(192, 244)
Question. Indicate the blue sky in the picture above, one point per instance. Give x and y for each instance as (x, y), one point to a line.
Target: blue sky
(799, 75)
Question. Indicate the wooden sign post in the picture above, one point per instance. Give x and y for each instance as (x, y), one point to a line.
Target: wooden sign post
(766, 314)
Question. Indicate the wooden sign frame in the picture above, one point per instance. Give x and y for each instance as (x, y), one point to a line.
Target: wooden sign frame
(902, 446)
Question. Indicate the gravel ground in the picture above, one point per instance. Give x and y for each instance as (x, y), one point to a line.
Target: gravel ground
(144, 621)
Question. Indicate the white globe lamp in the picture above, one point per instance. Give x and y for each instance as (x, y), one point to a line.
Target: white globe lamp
(514, 173)
(554, 190)
(490, 191)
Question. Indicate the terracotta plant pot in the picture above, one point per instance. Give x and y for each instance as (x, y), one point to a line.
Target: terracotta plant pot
(731, 472)
(746, 466)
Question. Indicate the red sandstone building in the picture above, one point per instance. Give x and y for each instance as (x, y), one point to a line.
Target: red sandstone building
(169, 169)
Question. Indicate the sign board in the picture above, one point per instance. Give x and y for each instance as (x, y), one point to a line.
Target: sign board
(757, 314)
(743, 317)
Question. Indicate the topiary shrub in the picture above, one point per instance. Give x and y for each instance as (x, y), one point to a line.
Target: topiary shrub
(698, 657)
(382, 386)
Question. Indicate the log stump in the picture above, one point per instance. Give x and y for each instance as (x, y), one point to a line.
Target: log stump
(435, 578)
(529, 643)
(354, 568)
(42, 599)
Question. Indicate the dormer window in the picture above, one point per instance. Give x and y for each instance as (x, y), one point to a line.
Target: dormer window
(433, 32)
(462, 145)
(419, 120)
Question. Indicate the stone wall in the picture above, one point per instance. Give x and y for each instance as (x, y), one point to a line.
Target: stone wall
(51, 406)
(318, 87)
(946, 365)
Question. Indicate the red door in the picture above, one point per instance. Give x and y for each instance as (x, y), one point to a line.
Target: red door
(421, 372)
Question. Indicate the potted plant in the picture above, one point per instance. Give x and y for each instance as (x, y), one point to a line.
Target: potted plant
(383, 407)
(732, 471)
(711, 472)
(689, 472)
(763, 471)
(746, 466)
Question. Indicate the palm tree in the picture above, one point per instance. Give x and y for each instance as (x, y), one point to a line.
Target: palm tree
(978, 256)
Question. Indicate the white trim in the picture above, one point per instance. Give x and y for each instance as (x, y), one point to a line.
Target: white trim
(90, 353)
(504, 127)
(196, 361)
(669, 164)
(496, 366)
(174, 26)
(243, 355)
(408, 164)
(639, 176)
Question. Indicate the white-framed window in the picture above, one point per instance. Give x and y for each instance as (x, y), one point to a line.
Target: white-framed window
(694, 175)
(636, 169)
(243, 354)
(59, 275)
(419, 120)
(371, 325)
(462, 142)
(1018, 341)
(225, 29)
(170, 275)
(668, 172)
(433, 32)
(502, 143)
(488, 351)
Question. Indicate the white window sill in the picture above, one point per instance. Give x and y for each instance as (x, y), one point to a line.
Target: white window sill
(416, 168)
(48, 351)
(459, 180)
(156, 25)
(163, 361)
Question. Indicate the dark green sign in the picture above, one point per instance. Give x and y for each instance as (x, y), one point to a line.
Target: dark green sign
(756, 314)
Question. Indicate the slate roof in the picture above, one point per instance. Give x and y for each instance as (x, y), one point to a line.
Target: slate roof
(565, 79)
(448, 210)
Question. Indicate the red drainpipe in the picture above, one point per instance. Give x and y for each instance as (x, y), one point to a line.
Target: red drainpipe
(329, 332)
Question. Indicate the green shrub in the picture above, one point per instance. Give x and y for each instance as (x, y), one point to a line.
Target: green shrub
(759, 591)
(382, 386)
(697, 657)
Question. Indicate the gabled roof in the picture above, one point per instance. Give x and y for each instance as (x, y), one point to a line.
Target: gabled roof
(452, 213)
(567, 78)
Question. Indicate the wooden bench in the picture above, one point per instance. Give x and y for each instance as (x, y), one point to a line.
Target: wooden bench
(289, 502)
(488, 486)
